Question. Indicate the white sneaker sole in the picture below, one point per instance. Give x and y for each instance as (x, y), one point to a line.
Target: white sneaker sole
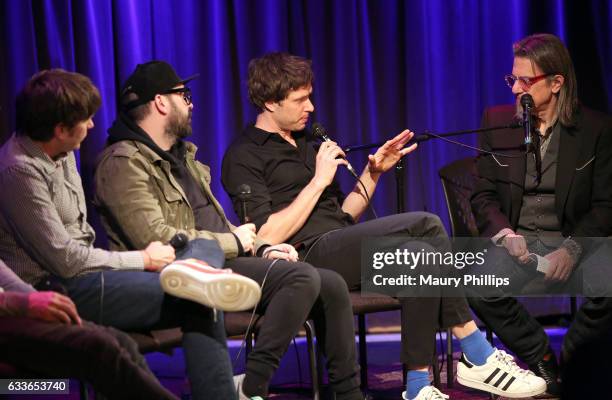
(221, 291)
(474, 384)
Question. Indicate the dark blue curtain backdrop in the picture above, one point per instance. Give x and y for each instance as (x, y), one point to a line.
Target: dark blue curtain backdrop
(381, 66)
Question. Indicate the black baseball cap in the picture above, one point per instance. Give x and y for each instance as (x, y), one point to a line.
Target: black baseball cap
(149, 79)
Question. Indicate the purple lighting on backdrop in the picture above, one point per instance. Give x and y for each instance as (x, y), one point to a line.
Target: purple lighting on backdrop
(380, 66)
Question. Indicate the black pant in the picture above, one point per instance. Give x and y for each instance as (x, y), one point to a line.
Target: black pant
(592, 322)
(105, 357)
(519, 330)
(292, 293)
(340, 251)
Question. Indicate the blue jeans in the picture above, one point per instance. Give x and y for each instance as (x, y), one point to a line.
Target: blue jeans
(135, 301)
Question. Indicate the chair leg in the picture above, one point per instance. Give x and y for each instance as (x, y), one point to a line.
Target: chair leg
(450, 373)
(248, 344)
(312, 357)
(249, 338)
(320, 363)
(363, 351)
(436, 369)
(489, 334)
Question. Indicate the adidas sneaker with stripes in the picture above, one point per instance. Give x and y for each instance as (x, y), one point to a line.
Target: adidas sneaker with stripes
(500, 375)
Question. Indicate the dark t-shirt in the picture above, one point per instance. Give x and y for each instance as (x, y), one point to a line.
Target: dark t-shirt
(205, 215)
(277, 172)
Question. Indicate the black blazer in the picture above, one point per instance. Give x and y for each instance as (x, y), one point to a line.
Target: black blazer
(583, 194)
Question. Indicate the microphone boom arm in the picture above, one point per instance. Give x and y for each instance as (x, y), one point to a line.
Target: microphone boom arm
(423, 137)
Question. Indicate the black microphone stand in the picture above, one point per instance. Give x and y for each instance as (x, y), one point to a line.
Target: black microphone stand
(400, 171)
(425, 136)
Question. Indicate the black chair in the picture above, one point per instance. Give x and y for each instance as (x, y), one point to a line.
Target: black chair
(458, 181)
(372, 303)
(362, 305)
(236, 325)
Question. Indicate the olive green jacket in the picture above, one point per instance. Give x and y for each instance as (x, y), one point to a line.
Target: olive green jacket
(140, 201)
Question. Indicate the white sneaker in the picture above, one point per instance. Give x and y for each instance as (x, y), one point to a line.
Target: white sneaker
(220, 289)
(238, 384)
(500, 375)
(428, 393)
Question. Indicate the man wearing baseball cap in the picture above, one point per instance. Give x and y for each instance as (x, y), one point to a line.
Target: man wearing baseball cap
(149, 186)
(48, 243)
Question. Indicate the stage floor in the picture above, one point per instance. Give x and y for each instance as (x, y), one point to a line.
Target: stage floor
(292, 380)
(384, 372)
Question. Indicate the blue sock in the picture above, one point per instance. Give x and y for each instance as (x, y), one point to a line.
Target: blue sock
(415, 381)
(476, 348)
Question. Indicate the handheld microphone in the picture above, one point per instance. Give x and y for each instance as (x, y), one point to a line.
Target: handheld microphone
(527, 104)
(244, 193)
(179, 241)
(319, 132)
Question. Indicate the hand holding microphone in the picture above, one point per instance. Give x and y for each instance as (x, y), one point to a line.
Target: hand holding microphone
(246, 234)
(244, 194)
(330, 155)
(157, 255)
(179, 241)
(385, 157)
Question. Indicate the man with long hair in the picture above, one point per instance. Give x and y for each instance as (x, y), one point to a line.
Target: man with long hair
(548, 209)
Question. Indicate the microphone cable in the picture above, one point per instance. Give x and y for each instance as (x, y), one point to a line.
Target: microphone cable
(467, 146)
(365, 193)
(101, 309)
(252, 319)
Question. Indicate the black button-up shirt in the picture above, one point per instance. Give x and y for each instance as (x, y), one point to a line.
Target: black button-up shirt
(277, 172)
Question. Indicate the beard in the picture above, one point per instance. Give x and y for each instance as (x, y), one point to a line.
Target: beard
(178, 125)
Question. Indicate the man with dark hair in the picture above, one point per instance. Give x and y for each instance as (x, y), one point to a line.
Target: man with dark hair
(46, 240)
(296, 198)
(55, 97)
(548, 209)
(149, 186)
(41, 333)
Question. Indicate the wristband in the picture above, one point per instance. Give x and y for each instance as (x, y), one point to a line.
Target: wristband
(573, 248)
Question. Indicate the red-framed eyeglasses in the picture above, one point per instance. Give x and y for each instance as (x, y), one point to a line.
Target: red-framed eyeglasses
(526, 82)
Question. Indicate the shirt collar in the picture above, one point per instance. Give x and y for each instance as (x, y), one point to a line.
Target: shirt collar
(38, 154)
(260, 136)
(555, 127)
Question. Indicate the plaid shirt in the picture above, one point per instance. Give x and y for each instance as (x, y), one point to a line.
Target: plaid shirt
(43, 217)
